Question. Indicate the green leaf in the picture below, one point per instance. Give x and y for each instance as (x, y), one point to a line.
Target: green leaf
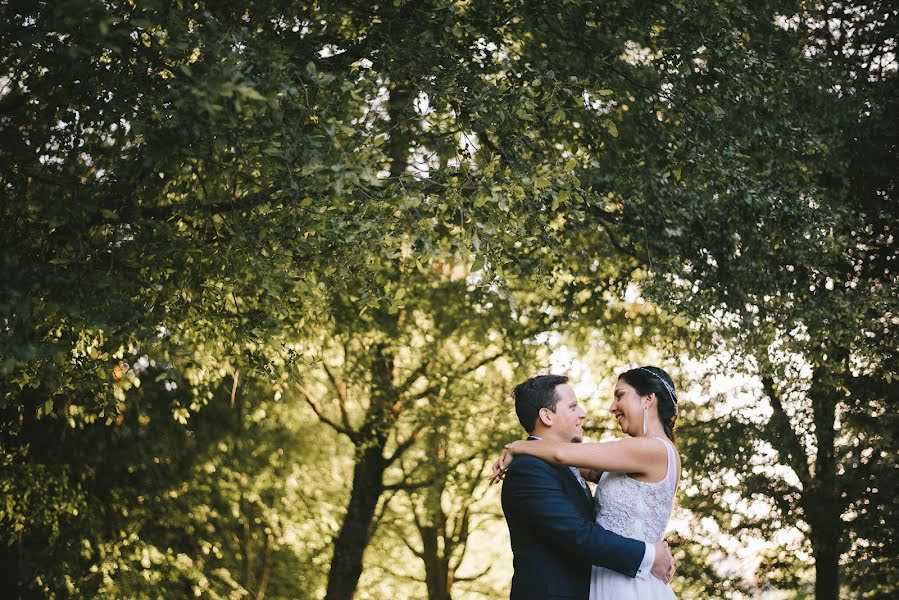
(611, 128)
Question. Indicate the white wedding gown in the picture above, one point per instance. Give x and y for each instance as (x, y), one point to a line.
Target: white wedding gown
(640, 511)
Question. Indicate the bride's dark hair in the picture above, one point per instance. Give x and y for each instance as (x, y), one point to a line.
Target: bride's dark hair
(653, 380)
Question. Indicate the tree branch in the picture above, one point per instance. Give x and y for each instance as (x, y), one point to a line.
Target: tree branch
(465, 370)
(340, 390)
(402, 447)
(379, 515)
(350, 433)
(605, 223)
(784, 437)
(413, 376)
(476, 480)
(473, 577)
(407, 541)
(869, 387)
(408, 486)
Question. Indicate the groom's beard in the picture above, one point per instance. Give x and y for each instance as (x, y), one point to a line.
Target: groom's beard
(577, 439)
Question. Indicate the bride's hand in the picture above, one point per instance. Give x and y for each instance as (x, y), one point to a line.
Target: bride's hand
(498, 473)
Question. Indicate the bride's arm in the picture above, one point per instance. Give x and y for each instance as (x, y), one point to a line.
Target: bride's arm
(629, 455)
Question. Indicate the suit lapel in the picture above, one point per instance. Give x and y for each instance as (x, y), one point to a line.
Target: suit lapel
(575, 486)
(576, 489)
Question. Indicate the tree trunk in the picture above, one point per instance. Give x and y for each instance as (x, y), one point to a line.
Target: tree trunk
(9, 572)
(820, 495)
(380, 419)
(35, 434)
(266, 568)
(824, 506)
(825, 545)
(368, 483)
(9, 555)
(436, 545)
(436, 561)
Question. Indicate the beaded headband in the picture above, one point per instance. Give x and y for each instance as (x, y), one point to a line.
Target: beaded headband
(665, 383)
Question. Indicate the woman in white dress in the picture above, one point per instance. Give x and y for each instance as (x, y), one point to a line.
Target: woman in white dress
(636, 476)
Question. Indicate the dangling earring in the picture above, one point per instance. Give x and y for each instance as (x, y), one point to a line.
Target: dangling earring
(645, 418)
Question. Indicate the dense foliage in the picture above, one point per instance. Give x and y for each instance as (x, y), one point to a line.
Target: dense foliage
(269, 272)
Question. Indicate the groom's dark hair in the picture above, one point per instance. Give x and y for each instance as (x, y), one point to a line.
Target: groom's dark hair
(532, 395)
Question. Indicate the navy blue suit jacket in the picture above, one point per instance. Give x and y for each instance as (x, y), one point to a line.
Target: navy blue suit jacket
(555, 539)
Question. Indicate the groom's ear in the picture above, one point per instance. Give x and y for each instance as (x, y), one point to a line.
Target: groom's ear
(545, 416)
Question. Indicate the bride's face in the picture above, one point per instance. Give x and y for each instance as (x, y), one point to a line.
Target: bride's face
(627, 408)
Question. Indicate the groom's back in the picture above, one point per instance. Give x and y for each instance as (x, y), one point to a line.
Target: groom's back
(536, 498)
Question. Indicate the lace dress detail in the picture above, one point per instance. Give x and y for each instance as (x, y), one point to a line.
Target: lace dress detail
(640, 511)
(637, 509)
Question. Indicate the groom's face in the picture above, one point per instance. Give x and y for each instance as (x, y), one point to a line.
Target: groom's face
(568, 418)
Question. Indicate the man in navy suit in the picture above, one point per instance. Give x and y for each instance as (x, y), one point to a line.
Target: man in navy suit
(549, 509)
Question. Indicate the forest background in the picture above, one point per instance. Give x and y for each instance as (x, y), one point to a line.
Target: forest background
(271, 269)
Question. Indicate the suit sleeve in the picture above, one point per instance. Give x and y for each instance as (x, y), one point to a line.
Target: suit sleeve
(533, 491)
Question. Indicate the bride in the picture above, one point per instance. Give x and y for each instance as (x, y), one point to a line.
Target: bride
(636, 476)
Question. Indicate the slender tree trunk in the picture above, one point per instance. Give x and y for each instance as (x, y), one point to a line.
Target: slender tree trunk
(436, 545)
(9, 572)
(824, 506)
(34, 434)
(266, 568)
(435, 557)
(825, 546)
(437, 576)
(380, 419)
(248, 580)
(368, 483)
(245, 539)
(349, 547)
(9, 555)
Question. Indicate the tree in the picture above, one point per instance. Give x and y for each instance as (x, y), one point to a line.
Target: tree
(226, 189)
(788, 264)
(766, 244)
(455, 456)
(151, 212)
(385, 389)
(217, 506)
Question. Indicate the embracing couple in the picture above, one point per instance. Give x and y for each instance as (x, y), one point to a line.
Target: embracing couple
(567, 543)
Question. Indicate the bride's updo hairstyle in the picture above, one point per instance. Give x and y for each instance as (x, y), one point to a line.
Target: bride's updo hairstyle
(653, 380)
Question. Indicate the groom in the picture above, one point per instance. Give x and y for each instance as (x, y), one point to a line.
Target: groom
(549, 510)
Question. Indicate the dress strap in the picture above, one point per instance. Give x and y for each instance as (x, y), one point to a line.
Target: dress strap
(671, 472)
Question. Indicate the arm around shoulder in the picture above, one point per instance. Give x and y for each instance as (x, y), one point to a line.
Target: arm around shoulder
(533, 490)
(629, 455)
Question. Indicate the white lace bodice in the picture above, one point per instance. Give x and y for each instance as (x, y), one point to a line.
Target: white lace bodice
(637, 509)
